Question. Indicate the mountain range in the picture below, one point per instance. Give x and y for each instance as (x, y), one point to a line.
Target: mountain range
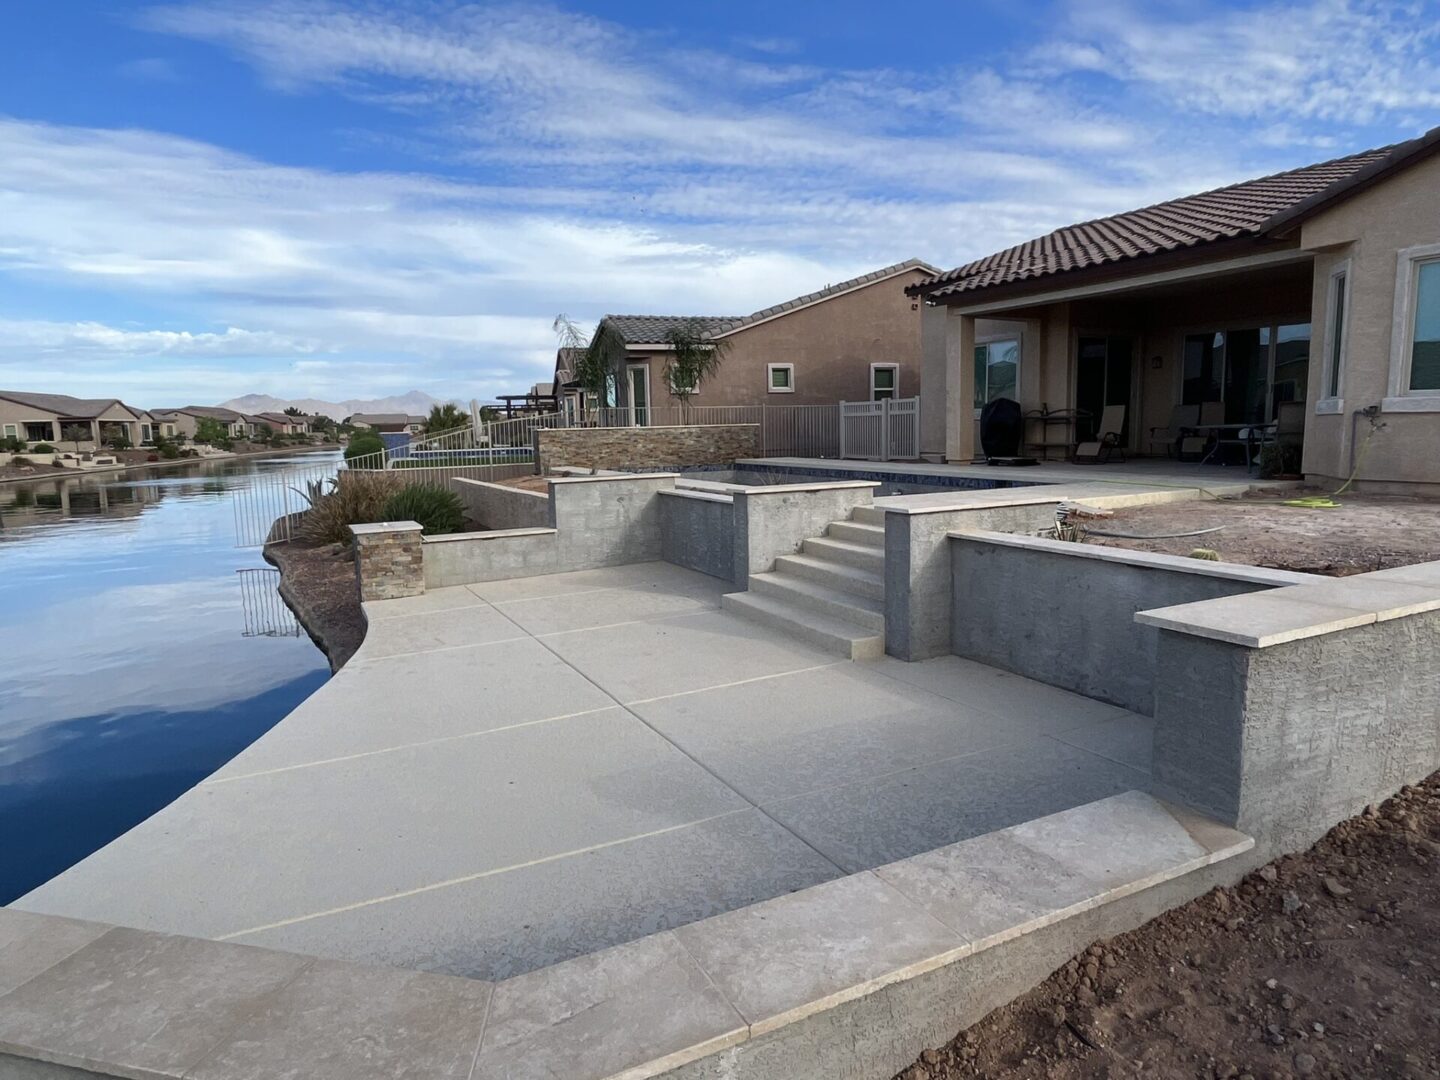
(415, 403)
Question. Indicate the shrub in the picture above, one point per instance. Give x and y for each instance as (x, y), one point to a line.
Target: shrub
(11, 445)
(19, 461)
(42, 448)
(437, 509)
(363, 443)
(118, 440)
(152, 457)
(357, 499)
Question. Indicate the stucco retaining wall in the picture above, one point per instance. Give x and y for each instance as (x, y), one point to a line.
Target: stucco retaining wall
(777, 519)
(697, 531)
(649, 448)
(499, 506)
(1064, 613)
(598, 521)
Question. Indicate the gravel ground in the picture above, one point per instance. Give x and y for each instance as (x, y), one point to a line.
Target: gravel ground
(1365, 533)
(1324, 964)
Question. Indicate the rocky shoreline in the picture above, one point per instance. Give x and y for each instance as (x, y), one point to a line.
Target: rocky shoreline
(318, 585)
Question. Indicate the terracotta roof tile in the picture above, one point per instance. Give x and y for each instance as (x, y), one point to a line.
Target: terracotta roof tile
(1242, 209)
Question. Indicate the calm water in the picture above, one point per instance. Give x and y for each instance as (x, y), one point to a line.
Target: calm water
(139, 651)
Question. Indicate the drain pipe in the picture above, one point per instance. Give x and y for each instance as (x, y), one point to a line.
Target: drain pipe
(1370, 411)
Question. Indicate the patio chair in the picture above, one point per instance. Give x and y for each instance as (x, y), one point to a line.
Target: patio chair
(1181, 417)
(1192, 446)
(1107, 438)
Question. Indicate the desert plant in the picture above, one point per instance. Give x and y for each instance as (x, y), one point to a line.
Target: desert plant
(695, 357)
(212, 431)
(118, 439)
(357, 498)
(17, 460)
(42, 448)
(75, 434)
(11, 445)
(437, 509)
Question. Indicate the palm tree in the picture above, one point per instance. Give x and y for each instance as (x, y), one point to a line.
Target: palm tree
(444, 418)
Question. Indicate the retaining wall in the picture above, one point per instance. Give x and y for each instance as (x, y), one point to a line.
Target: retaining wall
(597, 521)
(500, 506)
(777, 519)
(645, 448)
(697, 531)
(1064, 613)
(1287, 711)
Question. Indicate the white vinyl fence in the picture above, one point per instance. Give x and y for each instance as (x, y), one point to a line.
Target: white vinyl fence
(887, 430)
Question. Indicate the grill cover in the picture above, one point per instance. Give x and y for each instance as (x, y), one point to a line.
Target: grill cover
(1001, 428)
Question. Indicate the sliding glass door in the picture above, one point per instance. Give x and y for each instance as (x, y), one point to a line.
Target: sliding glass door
(1251, 370)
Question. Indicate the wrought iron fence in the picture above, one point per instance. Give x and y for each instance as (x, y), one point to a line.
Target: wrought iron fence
(266, 613)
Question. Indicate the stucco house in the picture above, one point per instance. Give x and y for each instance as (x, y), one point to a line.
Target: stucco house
(857, 340)
(185, 421)
(1320, 285)
(52, 418)
(387, 422)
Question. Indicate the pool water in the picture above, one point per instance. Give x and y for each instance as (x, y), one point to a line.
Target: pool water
(140, 650)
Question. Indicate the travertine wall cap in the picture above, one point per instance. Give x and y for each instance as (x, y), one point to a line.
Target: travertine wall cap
(386, 527)
(825, 485)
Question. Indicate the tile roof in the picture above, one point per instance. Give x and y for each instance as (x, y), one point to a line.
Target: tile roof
(62, 404)
(651, 329)
(214, 412)
(1247, 209)
(385, 418)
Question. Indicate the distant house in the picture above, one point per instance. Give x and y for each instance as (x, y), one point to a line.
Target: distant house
(54, 418)
(1312, 294)
(285, 423)
(387, 422)
(858, 340)
(185, 421)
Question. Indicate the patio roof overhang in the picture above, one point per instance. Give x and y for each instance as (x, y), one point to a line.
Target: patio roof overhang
(1169, 268)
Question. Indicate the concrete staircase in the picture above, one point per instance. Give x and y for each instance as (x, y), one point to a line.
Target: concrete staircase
(832, 594)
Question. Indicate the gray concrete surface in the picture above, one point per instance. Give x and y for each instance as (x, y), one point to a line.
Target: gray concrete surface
(503, 506)
(1064, 613)
(618, 757)
(777, 520)
(697, 531)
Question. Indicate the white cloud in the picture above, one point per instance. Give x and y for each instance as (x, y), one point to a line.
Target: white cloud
(37, 338)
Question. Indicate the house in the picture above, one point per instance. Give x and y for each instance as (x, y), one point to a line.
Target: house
(186, 420)
(61, 420)
(285, 423)
(854, 341)
(387, 422)
(1318, 286)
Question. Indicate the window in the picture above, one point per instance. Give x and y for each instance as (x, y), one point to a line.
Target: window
(1335, 344)
(884, 381)
(12, 431)
(780, 378)
(1425, 330)
(997, 371)
(38, 432)
(1415, 334)
(1248, 371)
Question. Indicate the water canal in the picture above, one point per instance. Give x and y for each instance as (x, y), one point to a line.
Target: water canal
(140, 650)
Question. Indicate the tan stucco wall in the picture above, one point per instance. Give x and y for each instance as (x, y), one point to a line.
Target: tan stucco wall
(20, 415)
(1370, 230)
(832, 345)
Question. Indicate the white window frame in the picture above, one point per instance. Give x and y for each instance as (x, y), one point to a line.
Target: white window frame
(770, 386)
(1402, 333)
(894, 386)
(1336, 353)
(992, 339)
(12, 431)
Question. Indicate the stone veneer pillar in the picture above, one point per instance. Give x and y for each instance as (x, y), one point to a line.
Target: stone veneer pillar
(388, 560)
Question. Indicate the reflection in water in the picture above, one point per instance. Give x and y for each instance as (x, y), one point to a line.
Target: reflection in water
(266, 614)
(136, 660)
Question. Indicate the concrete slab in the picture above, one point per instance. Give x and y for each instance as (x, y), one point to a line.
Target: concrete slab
(1128, 739)
(377, 706)
(598, 1016)
(679, 654)
(868, 824)
(344, 1022)
(254, 852)
(185, 994)
(457, 627)
(427, 603)
(606, 607)
(1044, 709)
(655, 575)
(491, 927)
(797, 733)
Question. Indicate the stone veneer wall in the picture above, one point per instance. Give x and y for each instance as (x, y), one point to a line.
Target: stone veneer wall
(646, 448)
(388, 560)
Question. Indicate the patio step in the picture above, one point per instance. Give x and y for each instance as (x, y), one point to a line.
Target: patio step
(834, 635)
(836, 603)
(860, 556)
(836, 575)
(868, 515)
(857, 532)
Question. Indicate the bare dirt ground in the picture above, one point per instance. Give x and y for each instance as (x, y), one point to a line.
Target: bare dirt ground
(318, 582)
(529, 483)
(1325, 964)
(1365, 533)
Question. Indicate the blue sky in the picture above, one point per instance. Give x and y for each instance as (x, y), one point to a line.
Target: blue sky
(351, 199)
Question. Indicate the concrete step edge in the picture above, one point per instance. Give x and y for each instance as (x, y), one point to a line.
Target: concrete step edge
(866, 611)
(833, 635)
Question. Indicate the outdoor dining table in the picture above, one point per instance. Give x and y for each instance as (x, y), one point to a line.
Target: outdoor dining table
(1256, 434)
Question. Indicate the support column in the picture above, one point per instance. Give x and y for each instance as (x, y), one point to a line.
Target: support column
(960, 389)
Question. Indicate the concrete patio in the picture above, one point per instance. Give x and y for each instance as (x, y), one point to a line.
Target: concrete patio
(515, 773)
